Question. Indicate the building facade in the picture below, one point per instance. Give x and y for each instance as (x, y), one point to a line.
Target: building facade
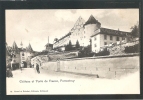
(106, 37)
(19, 55)
(49, 47)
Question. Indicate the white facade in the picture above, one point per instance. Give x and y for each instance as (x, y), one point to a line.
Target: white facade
(96, 43)
(26, 56)
(77, 34)
(102, 40)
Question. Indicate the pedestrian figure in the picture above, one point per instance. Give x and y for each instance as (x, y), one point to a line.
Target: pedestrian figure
(37, 68)
(22, 65)
(8, 71)
(58, 65)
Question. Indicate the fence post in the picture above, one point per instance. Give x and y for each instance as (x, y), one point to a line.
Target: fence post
(58, 65)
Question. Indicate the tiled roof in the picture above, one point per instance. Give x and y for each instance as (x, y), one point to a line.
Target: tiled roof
(91, 20)
(111, 32)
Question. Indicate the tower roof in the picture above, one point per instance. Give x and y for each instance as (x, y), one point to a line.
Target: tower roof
(92, 20)
(29, 48)
(15, 47)
(21, 43)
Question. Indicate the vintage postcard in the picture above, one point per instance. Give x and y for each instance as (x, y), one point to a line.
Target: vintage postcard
(72, 51)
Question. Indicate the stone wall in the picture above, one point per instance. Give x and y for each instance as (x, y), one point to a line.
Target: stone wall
(104, 67)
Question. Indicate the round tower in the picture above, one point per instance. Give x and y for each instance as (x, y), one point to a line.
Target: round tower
(90, 26)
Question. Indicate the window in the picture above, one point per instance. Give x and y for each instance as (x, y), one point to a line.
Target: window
(94, 45)
(105, 37)
(105, 43)
(111, 38)
(22, 54)
(117, 38)
(94, 38)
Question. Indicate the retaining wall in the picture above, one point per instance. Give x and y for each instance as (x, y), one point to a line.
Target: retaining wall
(105, 67)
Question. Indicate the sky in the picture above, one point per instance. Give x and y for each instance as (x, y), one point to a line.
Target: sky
(34, 26)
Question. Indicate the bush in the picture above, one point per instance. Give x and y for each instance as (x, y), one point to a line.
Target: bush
(85, 52)
(132, 49)
(103, 53)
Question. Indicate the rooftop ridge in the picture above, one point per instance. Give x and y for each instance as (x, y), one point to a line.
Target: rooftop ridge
(113, 29)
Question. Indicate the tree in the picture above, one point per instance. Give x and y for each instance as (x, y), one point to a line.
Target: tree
(70, 45)
(135, 31)
(67, 47)
(56, 39)
(77, 44)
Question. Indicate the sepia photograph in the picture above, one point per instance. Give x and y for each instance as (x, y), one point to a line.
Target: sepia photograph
(72, 51)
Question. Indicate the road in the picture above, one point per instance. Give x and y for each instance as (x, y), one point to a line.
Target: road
(46, 73)
(54, 83)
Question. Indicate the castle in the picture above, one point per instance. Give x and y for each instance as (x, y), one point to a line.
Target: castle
(91, 33)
